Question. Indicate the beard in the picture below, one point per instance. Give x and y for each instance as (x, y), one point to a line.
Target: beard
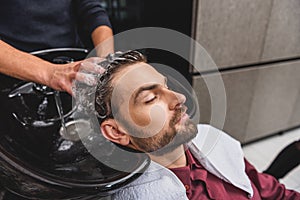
(165, 141)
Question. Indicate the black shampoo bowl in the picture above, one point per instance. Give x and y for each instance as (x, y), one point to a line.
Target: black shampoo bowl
(36, 162)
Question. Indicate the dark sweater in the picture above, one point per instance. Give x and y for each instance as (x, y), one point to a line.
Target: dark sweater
(31, 25)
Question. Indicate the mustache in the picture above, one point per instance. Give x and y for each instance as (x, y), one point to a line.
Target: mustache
(178, 114)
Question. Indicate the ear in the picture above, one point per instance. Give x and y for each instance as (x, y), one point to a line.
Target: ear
(114, 133)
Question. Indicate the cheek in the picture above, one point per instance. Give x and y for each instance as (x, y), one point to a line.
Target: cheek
(140, 117)
(151, 119)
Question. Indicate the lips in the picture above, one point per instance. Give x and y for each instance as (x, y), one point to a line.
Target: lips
(183, 118)
(182, 115)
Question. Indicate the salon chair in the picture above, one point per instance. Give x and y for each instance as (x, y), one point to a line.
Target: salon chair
(36, 161)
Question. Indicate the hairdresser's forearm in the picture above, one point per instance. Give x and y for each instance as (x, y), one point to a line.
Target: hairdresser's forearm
(102, 38)
(27, 67)
(22, 65)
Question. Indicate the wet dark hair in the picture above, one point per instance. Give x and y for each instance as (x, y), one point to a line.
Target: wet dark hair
(112, 64)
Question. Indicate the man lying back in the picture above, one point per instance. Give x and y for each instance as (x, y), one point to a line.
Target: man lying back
(137, 110)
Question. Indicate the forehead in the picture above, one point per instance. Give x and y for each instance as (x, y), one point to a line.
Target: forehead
(135, 76)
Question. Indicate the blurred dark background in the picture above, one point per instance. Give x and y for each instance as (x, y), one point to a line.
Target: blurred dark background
(175, 15)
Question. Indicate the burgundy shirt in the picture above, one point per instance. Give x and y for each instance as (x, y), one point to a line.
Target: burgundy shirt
(201, 184)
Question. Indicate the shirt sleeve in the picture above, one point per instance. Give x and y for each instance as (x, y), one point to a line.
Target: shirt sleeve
(90, 15)
(268, 187)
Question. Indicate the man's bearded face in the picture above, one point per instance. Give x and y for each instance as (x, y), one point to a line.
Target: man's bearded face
(149, 111)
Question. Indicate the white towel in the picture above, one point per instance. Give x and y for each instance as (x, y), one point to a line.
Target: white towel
(221, 155)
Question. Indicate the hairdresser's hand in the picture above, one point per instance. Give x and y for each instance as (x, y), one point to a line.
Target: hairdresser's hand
(61, 76)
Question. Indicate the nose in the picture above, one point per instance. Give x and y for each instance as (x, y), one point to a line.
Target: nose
(176, 100)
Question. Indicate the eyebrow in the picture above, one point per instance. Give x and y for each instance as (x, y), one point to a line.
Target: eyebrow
(147, 88)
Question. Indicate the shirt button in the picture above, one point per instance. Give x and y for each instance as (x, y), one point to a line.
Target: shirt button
(187, 187)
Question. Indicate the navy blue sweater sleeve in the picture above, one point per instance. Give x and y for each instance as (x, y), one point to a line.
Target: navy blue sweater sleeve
(90, 15)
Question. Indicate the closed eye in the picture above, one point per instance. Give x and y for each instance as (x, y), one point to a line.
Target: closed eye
(150, 100)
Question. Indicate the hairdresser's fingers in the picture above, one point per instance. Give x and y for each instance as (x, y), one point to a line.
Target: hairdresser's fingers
(95, 60)
(91, 65)
(85, 78)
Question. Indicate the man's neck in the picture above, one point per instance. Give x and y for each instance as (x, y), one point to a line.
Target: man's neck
(174, 159)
